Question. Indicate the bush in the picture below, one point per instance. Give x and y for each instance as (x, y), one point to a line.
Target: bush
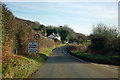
(104, 39)
(18, 32)
(79, 48)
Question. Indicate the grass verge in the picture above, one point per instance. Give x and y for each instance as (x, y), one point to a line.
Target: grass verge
(113, 60)
(60, 45)
(21, 66)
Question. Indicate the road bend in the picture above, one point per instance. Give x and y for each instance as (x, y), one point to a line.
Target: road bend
(61, 65)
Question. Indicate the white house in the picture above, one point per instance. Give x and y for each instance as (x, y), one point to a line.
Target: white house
(66, 42)
(56, 36)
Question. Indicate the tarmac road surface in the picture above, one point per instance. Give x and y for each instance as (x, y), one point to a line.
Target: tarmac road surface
(61, 65)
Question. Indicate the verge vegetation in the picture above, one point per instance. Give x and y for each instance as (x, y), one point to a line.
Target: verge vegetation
(16, 33)
(103, 46)
(23, 66)
(97, 58)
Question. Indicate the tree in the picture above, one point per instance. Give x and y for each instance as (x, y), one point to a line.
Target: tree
(42, 28)
(64, 35)
(104, 39)
(36, 22)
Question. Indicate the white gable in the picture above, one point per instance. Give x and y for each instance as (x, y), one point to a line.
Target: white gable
(54, 36)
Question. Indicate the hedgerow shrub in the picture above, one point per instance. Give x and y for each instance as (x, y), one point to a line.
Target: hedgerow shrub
(17, 33)
(105, 40)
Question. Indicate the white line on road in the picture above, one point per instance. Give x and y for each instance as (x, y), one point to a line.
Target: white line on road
(94, 64)
(65, 52)
(116, 68)
(106, 65)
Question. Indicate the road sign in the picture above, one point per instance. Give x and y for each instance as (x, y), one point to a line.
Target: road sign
(37, 36)
(32, 47)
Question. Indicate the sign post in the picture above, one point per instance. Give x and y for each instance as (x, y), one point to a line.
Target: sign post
(33, 46)
(37, 36)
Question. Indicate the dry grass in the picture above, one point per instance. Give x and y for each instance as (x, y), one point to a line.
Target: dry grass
(81, 51)
(79, 48)
(22, 66)
(16, 35)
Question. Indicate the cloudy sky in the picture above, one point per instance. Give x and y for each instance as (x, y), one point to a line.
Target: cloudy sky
(79, 16)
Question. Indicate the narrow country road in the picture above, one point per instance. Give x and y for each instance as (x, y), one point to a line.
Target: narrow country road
(60, 65)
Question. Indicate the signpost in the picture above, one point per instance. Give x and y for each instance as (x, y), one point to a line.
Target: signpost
(32, 47)
(37, 36)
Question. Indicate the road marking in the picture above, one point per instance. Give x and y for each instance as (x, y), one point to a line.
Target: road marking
(100, 65)
(94, 64)
(73, 56)
(106, 65)
(64, 52)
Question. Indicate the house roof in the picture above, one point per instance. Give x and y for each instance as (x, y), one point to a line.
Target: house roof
(55, 35)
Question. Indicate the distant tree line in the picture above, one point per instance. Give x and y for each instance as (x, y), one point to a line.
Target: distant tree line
(66, 33)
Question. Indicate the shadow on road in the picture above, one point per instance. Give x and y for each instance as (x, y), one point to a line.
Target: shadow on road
(63, 59)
